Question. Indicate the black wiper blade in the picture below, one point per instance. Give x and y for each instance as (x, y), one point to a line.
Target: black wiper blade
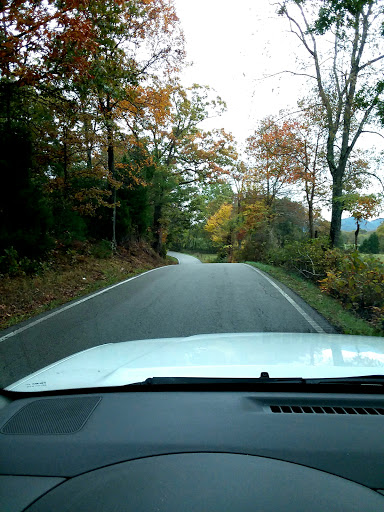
(370, 380)
(376, 380)
(359, 384)
(167, 381)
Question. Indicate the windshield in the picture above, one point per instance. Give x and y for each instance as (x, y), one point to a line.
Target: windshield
(190, 190)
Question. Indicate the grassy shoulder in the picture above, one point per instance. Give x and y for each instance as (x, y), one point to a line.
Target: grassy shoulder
(343, 320)
(68, 278)
(173, 260)
(203, 257)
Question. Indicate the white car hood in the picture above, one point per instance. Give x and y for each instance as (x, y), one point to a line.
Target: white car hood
(212, 355)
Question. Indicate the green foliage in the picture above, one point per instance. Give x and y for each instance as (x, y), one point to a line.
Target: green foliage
(310, 258)
(13, 265)
(254, 248)
(356, 282)
(187, 215)
(345, 321)
(102, 250)
(380, 234)
(370, 245)
(290, 221)
(69, 225)
(338, 13)
(359, 284)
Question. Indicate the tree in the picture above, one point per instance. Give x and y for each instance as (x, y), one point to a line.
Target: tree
(361, 208)
(346, 74)
(380, 234)
(273, 164)
(133, 39)
(290, 221)
(43, 41)
(371, 244)
(82, 58)
(188, 212)
(165, 122)
(220, 227)
(310, 155)
(25, 216)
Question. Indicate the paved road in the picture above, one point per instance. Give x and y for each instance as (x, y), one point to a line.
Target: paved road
(177, 300)
(184, 258)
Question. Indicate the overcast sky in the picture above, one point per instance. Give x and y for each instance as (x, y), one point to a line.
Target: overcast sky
(233, 45)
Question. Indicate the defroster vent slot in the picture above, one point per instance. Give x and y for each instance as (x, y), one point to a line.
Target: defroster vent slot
(326, 409)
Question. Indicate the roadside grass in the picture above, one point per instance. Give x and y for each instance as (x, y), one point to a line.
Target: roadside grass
(344, 321)
(23, 297)
(172, 260)
(203, 257)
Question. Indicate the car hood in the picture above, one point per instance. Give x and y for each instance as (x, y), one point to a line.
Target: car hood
(243, 355)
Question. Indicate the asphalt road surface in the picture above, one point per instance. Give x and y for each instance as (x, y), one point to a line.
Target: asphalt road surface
(177, 300)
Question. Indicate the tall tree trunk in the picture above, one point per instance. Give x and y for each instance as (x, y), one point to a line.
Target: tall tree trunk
(111, 169)
(337, 209)
(357, 232)
(310, 194)
(158, 229)
(310, 221)
(88, 143)
(89, 158)
(65, 163)
(8, 87)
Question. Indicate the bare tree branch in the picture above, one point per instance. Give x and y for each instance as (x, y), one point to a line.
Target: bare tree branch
(287, 71)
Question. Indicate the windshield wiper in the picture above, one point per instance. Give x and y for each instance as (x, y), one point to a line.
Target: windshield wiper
(168, 381)
(371, 380)
(161, 381)
(358, 384)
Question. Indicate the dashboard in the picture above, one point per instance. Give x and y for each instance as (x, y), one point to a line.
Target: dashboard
(168, 450)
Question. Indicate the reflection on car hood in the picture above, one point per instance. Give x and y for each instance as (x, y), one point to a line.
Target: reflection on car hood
(213, 355)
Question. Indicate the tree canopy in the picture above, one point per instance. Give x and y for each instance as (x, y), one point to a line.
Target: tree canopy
(100, 140)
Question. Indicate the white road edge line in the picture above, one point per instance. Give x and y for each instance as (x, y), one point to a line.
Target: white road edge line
(305, 315)
(73, 304)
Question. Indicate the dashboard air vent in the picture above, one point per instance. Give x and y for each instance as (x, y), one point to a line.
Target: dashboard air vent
(316, 409)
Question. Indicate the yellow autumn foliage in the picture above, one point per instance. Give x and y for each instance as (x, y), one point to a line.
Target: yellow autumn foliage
(218, 225)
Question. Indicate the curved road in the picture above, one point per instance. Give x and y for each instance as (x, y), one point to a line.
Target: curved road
(176, 300)
(183, 258)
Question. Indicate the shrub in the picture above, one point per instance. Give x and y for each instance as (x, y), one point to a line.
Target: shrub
(12, 264)
(359, 284)
(311, 258)
(102, 249)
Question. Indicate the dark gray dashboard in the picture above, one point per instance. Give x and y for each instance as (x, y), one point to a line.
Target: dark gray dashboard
(76, 442)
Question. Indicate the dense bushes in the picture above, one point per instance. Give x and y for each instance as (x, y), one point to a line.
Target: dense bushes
(310, 258)
(359, 284)
(356, 281)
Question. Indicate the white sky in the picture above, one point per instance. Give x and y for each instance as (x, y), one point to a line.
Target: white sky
(233, 45)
